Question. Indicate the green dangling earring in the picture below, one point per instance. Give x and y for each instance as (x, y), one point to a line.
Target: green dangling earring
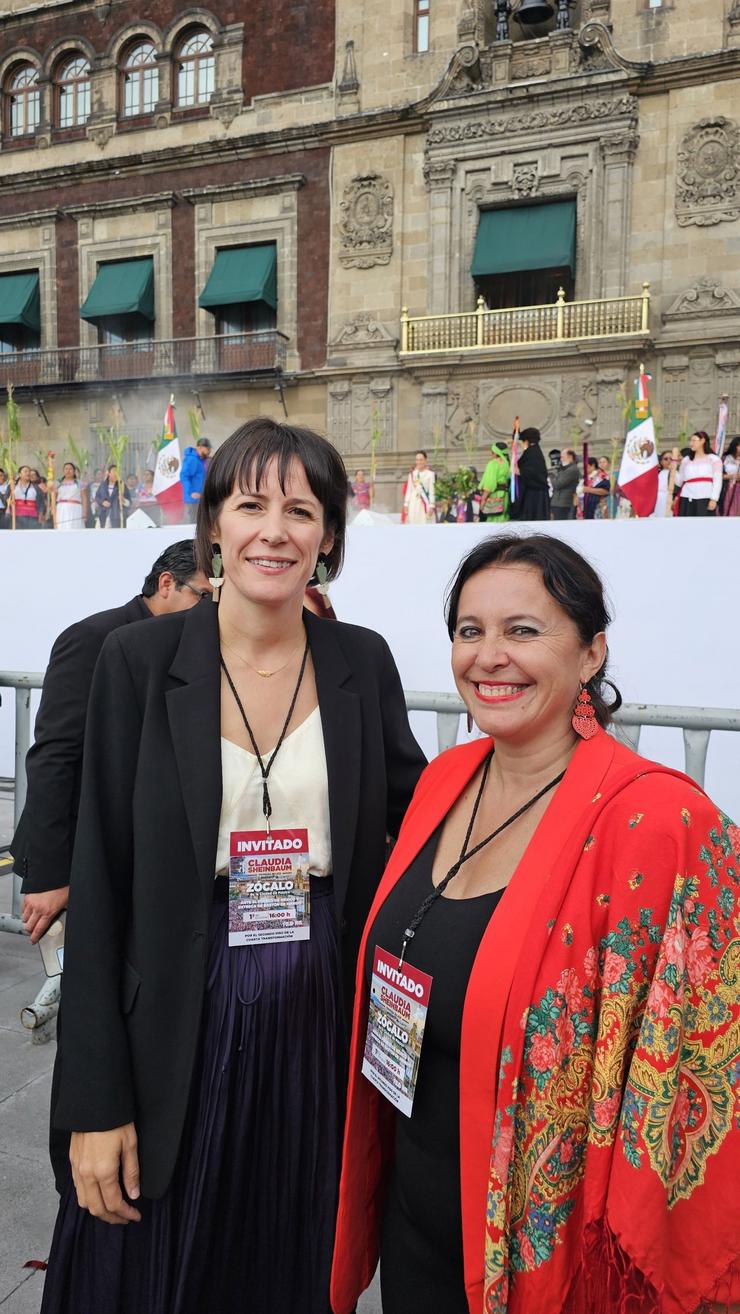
(322, 575)
(217, 566)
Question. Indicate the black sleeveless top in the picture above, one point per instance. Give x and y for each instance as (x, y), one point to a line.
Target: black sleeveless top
(421, 1257)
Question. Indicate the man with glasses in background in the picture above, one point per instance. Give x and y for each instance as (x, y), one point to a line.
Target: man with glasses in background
(43, 842)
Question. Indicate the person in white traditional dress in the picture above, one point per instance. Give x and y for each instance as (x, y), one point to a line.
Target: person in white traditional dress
(699, 477)
(419, 500)
(71, 499)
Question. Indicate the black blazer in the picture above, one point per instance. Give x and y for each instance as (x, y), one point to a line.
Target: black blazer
(145, 857)
(43, 841)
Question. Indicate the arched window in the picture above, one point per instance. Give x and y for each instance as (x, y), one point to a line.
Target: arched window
(196, 70)
(73, 91)
(140, 80)
(22, 91)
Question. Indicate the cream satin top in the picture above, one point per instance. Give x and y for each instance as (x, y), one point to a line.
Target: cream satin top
(299, 793)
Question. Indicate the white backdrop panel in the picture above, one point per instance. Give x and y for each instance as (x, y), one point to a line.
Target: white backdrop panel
(671, 583)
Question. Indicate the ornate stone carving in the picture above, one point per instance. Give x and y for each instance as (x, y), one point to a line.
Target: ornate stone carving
(439, 173)
(525, 180)
(563, 116)
(463, 411)
(619, 148)
(579, 405)
(708, 184)
(363, 340)
(528, 61)
(599, 51)
(706, 298)
(100, 129)
(366, 225)
(225, 105)
(358, 410)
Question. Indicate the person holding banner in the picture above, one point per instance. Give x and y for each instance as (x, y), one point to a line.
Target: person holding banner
(699, 477)
(419, 500)
(731, 491)
(543, 1075)
(244, 764)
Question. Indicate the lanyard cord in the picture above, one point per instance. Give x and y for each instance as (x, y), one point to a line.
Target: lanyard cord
(265, 770)
(466, 854)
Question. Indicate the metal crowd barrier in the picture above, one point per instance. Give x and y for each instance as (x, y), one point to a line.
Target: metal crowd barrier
(697, 725)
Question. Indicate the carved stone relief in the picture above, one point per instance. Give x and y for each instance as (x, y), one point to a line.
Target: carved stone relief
(366, 224)
(434, 414)
(579, 404)
(524, 180)
(463, 411)
(363, 340)
(557, 117)
(535, 405)
(357, 410)
(708, 183)
(707, 298)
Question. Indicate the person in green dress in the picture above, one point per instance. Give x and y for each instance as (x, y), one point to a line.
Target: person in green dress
(494, 484)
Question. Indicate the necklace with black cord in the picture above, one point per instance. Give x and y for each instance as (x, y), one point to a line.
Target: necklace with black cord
(265, 769)
(466, 854)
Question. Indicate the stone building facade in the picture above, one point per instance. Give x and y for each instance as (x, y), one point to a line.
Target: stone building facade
(369, 143)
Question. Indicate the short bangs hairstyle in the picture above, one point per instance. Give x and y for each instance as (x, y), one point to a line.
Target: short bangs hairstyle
(242, 461)
(569, 579)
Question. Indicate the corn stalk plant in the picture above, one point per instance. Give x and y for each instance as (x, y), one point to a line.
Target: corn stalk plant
(80, 455)
(11, 447)
(376, 434)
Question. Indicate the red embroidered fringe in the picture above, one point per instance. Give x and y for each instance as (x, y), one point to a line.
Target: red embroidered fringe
(607, 1282)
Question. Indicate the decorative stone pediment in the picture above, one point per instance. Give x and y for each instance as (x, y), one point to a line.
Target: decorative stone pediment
(600, 55)
(366, 224)
(708, 181)
(705, 299)
(363, 340)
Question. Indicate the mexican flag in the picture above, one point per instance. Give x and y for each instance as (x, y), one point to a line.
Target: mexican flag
(167, 487)
(638, 473)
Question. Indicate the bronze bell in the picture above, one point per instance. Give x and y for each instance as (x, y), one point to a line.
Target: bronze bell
(530, 12)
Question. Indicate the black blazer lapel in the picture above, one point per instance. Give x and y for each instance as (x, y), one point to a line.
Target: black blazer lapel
(341, 723)
(194, 713)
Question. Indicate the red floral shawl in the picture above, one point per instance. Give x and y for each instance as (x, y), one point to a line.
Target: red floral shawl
(600, 1055)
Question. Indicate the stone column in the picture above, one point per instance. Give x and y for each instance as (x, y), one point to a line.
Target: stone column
(165, 88)
(617, 155)
(674, 372)
(439, 176)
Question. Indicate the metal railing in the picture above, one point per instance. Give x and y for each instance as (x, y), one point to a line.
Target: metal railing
(697, 725)
(564, 321)
(232, 353)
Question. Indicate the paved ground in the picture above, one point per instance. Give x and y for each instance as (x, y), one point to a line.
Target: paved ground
(26, 1187)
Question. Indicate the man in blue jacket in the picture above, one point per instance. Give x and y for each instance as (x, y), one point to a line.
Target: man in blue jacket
(193, 473)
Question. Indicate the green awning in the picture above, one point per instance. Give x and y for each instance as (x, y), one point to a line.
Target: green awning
(242, 273)
(526, 237)
(121, 287)
(20, 302)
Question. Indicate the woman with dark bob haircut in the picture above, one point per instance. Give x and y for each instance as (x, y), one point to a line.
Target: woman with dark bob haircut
(243, 766)
(559, 1134)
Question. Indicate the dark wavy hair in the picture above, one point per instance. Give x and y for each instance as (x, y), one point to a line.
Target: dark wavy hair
(702, 433)
(570, 581)
(242, 461)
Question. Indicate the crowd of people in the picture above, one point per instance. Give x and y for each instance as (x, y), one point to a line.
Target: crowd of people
(104, 500)
(692, 482)
(536, 1013)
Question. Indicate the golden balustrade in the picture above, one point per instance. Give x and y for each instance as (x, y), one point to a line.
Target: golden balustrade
(561, 321)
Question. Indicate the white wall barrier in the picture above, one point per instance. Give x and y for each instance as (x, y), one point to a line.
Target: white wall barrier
(672, 584)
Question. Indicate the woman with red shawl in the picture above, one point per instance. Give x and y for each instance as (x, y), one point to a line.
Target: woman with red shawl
(571, 1136)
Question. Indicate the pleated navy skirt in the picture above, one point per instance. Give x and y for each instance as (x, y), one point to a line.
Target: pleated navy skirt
(247, 1224)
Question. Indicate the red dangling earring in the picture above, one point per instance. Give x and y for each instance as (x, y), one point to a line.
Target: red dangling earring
(584, 717)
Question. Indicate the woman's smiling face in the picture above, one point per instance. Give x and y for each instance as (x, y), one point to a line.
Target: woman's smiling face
(517, 657)
(271, 537)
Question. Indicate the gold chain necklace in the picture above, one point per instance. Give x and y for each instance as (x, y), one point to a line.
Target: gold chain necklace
(266, 675)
